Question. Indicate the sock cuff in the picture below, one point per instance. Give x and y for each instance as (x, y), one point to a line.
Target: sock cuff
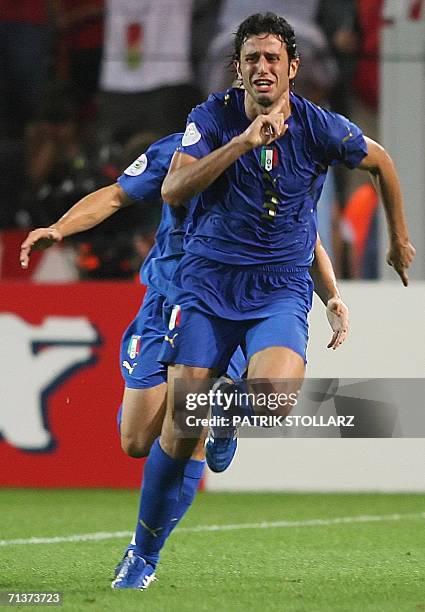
(194, 468)
(156, 449)
(158, 452)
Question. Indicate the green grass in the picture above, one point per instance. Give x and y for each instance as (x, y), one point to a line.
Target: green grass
(370, 566)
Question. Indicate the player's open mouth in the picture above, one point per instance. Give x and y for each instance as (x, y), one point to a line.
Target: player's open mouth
(263, 85)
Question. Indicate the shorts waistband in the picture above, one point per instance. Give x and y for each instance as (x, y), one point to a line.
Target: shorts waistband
(258, 268)
(275, 269)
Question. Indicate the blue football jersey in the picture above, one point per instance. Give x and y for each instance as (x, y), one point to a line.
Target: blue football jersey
(142, 180)
(262, 209)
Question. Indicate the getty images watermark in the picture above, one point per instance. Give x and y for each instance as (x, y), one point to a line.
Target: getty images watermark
(319, 408)
(234, 400)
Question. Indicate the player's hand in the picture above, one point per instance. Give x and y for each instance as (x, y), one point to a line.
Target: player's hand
(38, 239)
(337, 313)
(264, 130)
(400, 256)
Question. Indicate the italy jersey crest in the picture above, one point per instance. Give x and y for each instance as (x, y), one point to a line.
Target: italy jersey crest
(269, 158)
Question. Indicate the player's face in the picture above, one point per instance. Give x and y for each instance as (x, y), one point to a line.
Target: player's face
(265, 68)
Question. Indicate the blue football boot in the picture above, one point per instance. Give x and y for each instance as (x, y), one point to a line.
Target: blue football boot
(221, 444)
(135, 573)
(119, 565)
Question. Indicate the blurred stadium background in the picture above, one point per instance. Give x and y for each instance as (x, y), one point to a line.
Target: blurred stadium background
(330, 523)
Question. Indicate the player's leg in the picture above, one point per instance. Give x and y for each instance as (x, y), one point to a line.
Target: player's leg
(276, 362)
(142, 415)
(280, 370)
(208, 341)
(171, 470)
(191, 477)
(177, 442)
(193, 337)
(146, 414)
(143, 407)
(220, 449)
(165, 468)
(276, 349)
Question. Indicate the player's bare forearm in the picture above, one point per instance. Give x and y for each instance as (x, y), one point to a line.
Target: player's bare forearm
(326, 287)
(323, 275)
(92, 210)
(84, 215)
(188, 176)
(385, 178)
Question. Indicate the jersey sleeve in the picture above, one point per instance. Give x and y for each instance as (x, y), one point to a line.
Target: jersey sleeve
(142, 180)
(341, 141)
(202, 132)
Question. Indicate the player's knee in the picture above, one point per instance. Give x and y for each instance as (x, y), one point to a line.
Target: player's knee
(136, 446)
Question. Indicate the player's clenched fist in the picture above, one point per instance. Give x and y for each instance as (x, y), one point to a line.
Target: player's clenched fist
(264, 130)
(38, 239)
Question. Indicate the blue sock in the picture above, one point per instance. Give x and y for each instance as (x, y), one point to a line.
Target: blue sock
(191, 479)
(162, 483)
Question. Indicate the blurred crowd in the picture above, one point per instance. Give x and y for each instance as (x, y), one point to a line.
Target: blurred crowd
(87, 85)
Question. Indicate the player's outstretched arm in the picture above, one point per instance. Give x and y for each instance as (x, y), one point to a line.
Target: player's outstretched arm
(188, 175)
(384, 175)
(326, 287)
(85, 214)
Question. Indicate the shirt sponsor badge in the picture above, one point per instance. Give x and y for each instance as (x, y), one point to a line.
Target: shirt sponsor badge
(191, 135)
(138, 166)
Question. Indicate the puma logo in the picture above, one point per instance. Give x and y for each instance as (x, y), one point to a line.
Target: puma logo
(171, 340)
(130, 368)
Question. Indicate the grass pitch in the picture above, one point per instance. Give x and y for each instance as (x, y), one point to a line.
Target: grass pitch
(301, 564)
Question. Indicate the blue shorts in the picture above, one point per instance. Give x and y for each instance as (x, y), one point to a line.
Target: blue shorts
(221, 307)
(239, 292)
(142, 342)
(209, 342)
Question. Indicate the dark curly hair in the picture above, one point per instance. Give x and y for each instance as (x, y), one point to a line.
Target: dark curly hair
(265, 23)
